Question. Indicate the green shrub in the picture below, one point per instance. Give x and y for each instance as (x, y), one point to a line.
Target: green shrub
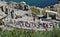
(29, 33)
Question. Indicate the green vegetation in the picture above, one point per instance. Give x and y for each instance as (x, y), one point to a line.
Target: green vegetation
(36, 11)
(43, 12)
(29, 33)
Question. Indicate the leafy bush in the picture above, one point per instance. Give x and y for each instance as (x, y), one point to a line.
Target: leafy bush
(29, 33)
